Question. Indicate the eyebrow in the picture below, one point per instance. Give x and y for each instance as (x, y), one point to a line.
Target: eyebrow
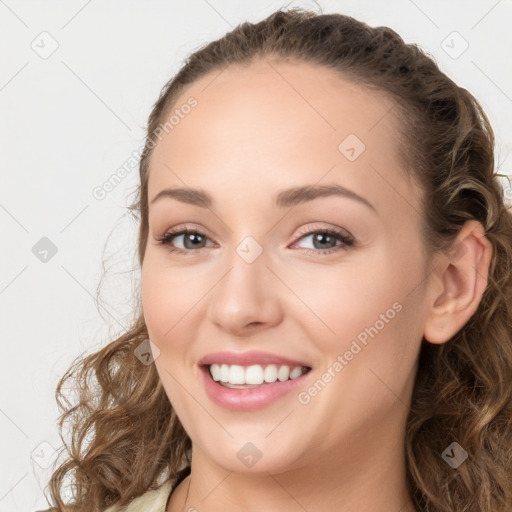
(285, 198)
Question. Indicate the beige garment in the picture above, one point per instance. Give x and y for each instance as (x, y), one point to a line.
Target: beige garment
(150, 501)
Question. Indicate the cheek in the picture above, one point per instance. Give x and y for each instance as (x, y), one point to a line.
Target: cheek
(342, 300)
(170, 297)
(379, 329)
(368, 312)
(368, 364)
(168, 303)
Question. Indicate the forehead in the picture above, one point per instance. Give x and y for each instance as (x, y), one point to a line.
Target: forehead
(275, 124)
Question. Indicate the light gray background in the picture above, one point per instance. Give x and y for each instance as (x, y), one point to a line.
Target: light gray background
(71, 119)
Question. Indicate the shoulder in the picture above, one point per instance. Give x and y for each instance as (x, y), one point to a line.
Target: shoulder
(151, 501)
(154, 500)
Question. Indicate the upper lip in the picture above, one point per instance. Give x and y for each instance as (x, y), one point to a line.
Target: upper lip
(249, 358)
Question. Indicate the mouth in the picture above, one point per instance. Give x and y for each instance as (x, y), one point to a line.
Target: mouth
(251, 387)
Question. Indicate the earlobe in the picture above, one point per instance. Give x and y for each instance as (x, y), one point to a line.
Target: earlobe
(458, 284)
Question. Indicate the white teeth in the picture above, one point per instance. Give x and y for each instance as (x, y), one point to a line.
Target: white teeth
(254, 374)
(270, 374)
(236, 374)
(224, 373)
(283, 373)
(296, 372)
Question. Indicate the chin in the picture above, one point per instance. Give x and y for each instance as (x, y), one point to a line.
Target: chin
(259, 456)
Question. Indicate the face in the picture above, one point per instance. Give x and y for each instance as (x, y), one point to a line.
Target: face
(331, 281)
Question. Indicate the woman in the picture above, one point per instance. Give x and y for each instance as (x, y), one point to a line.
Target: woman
(325, 318)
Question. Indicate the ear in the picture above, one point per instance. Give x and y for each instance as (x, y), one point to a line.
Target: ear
(458, 283)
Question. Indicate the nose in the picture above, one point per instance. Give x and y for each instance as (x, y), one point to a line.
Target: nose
(246, 299)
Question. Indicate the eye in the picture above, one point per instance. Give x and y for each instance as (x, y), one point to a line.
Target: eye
(324, 240)
(193, 239)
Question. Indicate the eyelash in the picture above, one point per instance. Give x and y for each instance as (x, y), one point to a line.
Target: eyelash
(347, 241)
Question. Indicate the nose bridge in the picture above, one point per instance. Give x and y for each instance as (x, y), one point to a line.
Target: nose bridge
(245, 295)
(244, 282)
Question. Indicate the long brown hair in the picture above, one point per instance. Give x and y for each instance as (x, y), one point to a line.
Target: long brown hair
(125, 436)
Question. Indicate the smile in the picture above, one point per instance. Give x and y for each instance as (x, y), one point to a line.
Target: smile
(224, 387)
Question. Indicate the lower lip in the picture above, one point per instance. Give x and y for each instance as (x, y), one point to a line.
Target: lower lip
(248, 399)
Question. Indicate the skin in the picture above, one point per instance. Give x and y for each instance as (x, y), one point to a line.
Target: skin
(256, 131)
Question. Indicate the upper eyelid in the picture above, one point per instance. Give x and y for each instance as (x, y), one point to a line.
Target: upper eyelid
(180, 228)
